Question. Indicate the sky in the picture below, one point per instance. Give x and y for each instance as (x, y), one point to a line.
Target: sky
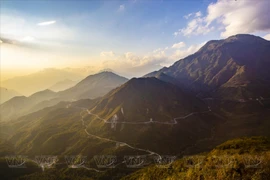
(131, 37)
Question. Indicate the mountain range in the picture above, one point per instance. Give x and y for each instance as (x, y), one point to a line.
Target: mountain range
(39, 81)
(219, 93)
(91, 87)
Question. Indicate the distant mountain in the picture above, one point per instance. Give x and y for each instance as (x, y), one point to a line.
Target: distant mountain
(234, 68)
(6, 94)
(91, 87)
(62, 85)
(21, 105)
(40, 80)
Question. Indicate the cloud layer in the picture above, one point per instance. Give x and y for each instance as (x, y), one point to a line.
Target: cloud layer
(178, 45)
(130, 63)
(231, 17)
(46, 23)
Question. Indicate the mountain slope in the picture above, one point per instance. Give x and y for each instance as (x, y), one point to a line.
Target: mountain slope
(135, 103)
(21, 105)
(147, 110)
(6, 94)
(87, 127)
(62, 85)
(221, 66)
(148, 98)
(243, 158)
(91, 87)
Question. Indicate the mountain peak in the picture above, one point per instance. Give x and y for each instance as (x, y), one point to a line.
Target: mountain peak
(46, 92)
(238, 61)
(106, 70)
(148, 94)
(247, 39)
(103, 74)
(94, 85)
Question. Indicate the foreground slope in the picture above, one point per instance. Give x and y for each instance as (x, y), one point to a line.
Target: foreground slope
(245, 158)
(242, 158)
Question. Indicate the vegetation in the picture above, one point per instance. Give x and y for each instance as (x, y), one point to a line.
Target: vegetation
(245, 158)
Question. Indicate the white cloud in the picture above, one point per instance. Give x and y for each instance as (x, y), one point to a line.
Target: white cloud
(195, 27)
(121, 7)
(107, 54)
(178, 45)
(138, 65)
(176, 33)
(198, 14)
(240, 16)
(188, 15)
(28, 39)
(132, 63)
(46, 23)
(231, 17)
(156, 50)
(267, 37)
(179, 54)
(17, 27)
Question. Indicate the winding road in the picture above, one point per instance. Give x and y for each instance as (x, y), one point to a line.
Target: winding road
(150, 121)
(150, 153)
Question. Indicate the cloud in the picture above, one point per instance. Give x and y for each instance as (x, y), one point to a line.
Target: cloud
(28, 39)
(121, 7)
(198, 14)
(107, 54)
(46, 23)
(132, 64)
(188, 15)
(16, 27)
(179, 54)
(195, 27)
(231, 17)
(267, 37)
(240, 16)
(178, 45)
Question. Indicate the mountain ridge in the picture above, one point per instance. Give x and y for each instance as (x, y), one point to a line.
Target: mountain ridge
(240, 60)
(91, 87)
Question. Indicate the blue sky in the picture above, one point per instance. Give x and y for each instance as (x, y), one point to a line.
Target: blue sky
(133, 37)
